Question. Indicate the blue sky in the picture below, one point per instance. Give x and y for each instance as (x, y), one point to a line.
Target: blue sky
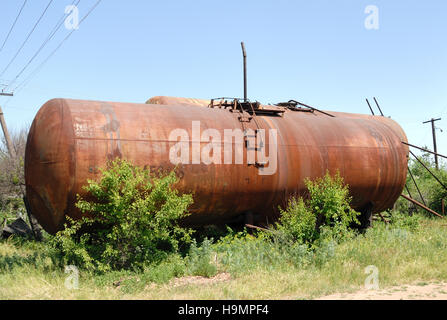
(318, 52)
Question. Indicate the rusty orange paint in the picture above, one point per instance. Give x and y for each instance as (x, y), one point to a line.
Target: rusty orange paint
(70, 140)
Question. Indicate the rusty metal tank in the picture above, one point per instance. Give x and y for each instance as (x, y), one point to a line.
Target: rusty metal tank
(70, 140)
(166, 100)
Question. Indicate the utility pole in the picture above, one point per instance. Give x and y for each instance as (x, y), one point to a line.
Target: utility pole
(434, 138)
(36, 229)
(9, 144)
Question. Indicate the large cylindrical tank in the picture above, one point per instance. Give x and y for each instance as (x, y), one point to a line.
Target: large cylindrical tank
(70, 140)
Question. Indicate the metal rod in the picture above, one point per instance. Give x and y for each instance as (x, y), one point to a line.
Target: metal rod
(378, 106)
(256, 227)
(370, 107)
(412, 145)
(307, 106)
(408, 191)
(429, 170)
(417, 188)
(245, 70)
(421, 205)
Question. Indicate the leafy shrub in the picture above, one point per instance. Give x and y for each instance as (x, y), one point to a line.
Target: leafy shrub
(432, 191)
(404, 221)
(132, 220)
(437, 191)
(241, 252)
(297, 222)
(12, 174)
(326, 214)
(199, 259)
(330, 201)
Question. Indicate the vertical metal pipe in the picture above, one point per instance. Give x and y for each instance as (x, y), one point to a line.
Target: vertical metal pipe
(245, 70)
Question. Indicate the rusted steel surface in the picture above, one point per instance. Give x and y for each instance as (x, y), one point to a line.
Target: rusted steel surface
(212, 103)
(70, 140)
(165, 100)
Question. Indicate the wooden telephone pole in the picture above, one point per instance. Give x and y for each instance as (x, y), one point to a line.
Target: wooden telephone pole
(9, 145)
(12, 153)
(434, 138)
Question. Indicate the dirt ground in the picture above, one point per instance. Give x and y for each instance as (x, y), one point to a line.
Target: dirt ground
(418, 291)
(197, 280)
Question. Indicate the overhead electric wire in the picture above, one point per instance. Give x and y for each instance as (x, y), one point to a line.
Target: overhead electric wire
(32, 74)
(50, 36)
(27, 38)
(13, 25)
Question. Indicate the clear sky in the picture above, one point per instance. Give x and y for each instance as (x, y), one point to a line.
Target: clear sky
(318, 52)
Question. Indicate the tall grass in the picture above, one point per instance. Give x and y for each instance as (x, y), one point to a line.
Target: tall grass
(408, 250)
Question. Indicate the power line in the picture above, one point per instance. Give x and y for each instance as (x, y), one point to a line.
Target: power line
(13, 25)
(27, 38)
(26, 81)
(50, 36)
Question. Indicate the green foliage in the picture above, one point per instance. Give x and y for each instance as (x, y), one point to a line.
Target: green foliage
(329, 200)
(199, 258)
(9, 209)
(24, 253)
(12, 173)
(432, 191)
(437, 191)
(405, 221)
(132, 220)
(297, 222)
(325, 216)
(241, 252)
(260, 268)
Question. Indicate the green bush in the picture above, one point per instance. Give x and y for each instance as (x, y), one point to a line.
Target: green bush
(432, 191)
(329, 200)
(132, 220)
(297, 222)
(437, 191)
(404, 221)
(241, 252)
(199, 259)
(325, 214)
